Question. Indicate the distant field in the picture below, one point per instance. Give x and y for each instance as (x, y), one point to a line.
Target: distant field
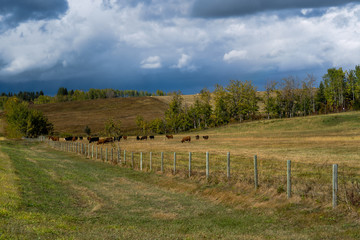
(72, 117)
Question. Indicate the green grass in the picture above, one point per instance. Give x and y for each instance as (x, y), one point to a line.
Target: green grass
(47, 194)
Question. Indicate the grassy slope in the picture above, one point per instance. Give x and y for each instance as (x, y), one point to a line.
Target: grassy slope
(47, 194)
(72, 117)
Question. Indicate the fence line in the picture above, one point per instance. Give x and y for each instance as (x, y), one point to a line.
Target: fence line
(266, 173)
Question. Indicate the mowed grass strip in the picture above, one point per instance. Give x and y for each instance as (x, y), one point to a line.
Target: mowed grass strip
(56, 195)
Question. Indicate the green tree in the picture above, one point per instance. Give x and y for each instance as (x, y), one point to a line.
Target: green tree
(113, 128)
(23, 121)
(242, 100)
(157, 126)
(334, 83)
(269, 98)
(175, 113)
(87, 130)
(320, 99)
(141, 124)
(221, 114)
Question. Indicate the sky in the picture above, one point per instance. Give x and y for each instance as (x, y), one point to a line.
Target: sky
(172, 45)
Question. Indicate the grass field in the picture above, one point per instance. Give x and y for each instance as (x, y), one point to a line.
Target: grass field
(49, 194)
(72, 117)
(313, 144)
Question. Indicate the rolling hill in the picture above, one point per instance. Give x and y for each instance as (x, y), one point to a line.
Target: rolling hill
(72, 117)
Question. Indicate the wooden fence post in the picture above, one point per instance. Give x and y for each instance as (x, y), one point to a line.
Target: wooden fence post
(125, 157)
(288, 178)
(92, 151)
(228, 165)
(118, 156)
(189, 164)
(207, 165)
(132, 159)
(141, 161)
(174, 163)
(256, 172)
(101, 154)
(335, 185)
(162, 162)
(150, 161)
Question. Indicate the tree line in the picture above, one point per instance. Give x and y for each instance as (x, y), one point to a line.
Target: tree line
(63, 95)
(239, 101)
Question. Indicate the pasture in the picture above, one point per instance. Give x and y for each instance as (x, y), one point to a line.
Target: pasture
(313, 144)
(72, 117)
(49, 194)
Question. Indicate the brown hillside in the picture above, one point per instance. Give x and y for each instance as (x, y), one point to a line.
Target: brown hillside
(72, 117)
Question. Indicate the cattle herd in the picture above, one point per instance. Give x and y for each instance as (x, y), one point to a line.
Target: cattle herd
(118, 138)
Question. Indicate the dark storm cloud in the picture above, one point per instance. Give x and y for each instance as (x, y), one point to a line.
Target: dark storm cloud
(225, 8)
(14, 12)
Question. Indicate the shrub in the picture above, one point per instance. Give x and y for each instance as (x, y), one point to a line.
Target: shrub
(23, 121)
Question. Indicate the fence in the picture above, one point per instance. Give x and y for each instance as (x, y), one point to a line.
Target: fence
(322, 182)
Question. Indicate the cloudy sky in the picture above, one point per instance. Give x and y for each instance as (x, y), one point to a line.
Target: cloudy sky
(172, 44)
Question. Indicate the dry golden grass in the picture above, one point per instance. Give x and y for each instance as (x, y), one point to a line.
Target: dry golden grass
(72, 117)
(313, 144)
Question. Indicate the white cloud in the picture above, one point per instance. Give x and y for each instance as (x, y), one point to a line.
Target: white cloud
(92, 34)
(235, 55)
(184, 63)
(151, 62)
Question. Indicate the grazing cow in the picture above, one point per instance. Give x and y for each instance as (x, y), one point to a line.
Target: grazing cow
(74, 139)
(152, 137)
(197, 137)
(137, 138)
(125, 137)
(93, 139)
(68, 138)
(206, 137)
(169, 136)
(143, 138)
(54, 138)
(105, 140)
(117, 138)
(186, 139)
(81, 138)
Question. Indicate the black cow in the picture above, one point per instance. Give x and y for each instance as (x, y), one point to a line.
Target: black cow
(197, 137)
(152, 137)
(117, 138)
(137, 138)
(93, 139)
(68, 138)
(143, 138)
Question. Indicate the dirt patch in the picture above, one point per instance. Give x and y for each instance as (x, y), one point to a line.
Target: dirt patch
(164, 216)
